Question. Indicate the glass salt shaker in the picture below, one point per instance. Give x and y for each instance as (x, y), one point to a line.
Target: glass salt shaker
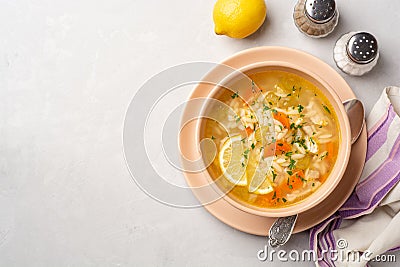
(356, 53)
(316, 18)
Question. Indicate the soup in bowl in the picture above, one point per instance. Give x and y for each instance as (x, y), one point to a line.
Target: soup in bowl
(282, 139)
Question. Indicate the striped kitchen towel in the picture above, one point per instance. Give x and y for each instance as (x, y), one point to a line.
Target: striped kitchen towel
(368, 224)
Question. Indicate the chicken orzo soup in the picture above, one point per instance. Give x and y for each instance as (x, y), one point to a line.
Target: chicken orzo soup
(306, 141)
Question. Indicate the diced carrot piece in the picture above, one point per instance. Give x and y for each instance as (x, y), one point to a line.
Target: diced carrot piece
(295, 180)
(274, 195)
(282, 118)
(282, 147)
(248, 131)
(299, 173)
(278, 192)
(330, 148)
(322, 178)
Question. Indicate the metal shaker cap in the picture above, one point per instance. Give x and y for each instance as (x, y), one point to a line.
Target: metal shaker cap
(362, 48)
(320, 11)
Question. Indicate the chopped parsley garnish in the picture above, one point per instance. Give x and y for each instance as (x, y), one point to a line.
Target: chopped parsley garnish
(252, 86)
(284, 199)
(237, 118)
(289, 94)
(273, 176)
(302, 115)
(291, 186)
(243, 164)
(235, 95)
(324, 155)
(280, 144)
(274, 110)
(280, 127)
(290, 173)
(212, 137)
(326, 109)
(266, 107)
(301, 142)
(294, 126)
(288, 154)
(270, 103)
(292, 164)
(246, 153)
(313, 184)
(253, 146)
(300, 108)
(312, 140)
(243, 139)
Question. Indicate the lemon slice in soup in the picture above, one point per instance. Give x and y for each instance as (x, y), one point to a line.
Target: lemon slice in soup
(233, 160)
(258, 134)
(260, 162)
(259, 182)
(265, 188)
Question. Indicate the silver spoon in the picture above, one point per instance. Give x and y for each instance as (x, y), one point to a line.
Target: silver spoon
(282, 228)
(355, 111)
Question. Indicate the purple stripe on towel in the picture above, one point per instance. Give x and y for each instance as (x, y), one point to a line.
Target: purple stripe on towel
(323, 264)
(380, 167)
(388, 169)
(374, 202)
(328, 233)
(330, 239)
(376, 126)
(394, 249)
(315, 231)
(337, 223)
(324, 242)
(320, 232)
(379, 137)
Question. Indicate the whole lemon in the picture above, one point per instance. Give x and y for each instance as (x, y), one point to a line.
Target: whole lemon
(238, 18)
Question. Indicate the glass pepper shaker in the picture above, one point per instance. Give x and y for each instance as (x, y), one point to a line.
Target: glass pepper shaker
(316, 18)
(356, 53)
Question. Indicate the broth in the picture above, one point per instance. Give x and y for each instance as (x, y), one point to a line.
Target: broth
(306, 141)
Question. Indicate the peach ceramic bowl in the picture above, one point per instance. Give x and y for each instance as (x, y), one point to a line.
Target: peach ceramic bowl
(344, 146)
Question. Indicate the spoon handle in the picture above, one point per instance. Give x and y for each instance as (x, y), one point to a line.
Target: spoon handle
(281, 230)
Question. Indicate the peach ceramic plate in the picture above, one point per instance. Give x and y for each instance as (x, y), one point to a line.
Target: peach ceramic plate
(258, 225)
